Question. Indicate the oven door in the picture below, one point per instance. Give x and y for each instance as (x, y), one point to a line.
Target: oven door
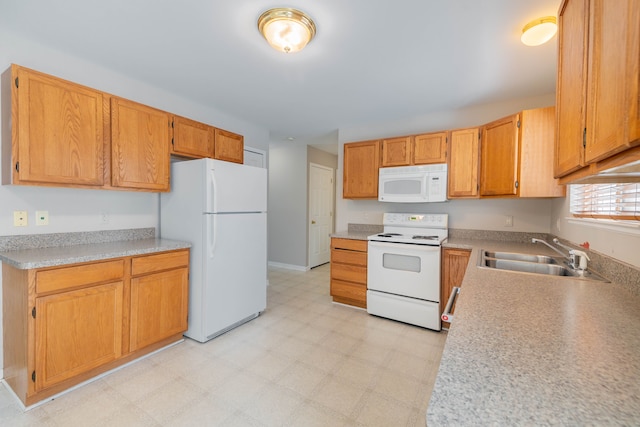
(404, 269)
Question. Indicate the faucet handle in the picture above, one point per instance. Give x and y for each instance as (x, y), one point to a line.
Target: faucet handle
(583, 258)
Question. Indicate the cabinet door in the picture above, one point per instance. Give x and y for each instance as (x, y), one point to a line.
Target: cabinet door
(77, 331)
(430, 148)
(499, 156)
(361, 164)
(191, 138)
(536, 166)
(159, 304)
(396, 152)
(140, 140)
(613, 113)
(229, 146)
(463, 163)
(571, 86)
(58, 130)
(454, 266)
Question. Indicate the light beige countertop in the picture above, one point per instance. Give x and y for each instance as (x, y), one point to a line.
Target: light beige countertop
(528, 349)
(61, 255)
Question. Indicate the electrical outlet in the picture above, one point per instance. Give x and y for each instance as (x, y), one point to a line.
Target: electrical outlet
(508, 221)
(42, 217)
(20, 219)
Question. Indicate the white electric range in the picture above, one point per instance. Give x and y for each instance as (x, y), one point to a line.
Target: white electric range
(403, 268)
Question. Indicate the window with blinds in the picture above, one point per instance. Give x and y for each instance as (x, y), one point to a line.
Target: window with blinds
(610, 201)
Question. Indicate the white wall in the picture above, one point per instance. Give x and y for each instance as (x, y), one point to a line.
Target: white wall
(81, 210)
(288, 199)
(287, 208)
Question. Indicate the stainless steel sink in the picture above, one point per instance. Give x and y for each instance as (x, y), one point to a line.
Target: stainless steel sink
(542, 259)
(536, 264)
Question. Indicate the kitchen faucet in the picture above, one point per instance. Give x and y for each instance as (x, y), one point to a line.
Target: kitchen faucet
(573, 253)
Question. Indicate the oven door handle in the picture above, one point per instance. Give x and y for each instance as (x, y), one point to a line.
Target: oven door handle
(447, 316)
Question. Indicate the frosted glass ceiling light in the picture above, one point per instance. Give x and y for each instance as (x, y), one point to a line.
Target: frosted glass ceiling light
(287, 30)
(539, 31)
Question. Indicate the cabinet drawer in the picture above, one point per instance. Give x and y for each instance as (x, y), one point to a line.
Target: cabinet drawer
(349, 257)
(354, 245)
(85, 274)
(162, 261)
(349, 273)
(349, 291)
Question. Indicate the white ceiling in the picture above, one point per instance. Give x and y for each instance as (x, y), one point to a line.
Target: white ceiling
(371, 60)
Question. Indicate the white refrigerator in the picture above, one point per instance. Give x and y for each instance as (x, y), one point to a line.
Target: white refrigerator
(221, 209)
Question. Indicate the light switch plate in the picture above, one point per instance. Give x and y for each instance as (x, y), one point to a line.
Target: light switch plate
(20, 219)
(42, 217)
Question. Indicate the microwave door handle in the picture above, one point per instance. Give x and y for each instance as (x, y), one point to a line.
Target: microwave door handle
(425, 185)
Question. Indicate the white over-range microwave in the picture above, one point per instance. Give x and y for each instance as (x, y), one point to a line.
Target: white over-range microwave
(413, 184)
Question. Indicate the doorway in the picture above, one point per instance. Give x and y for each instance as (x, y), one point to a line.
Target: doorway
(321, 185)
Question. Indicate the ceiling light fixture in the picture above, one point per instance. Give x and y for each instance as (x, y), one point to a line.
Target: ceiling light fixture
(539, 31)
(285, 29)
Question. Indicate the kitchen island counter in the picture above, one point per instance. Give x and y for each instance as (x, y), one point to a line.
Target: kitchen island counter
(529, 349)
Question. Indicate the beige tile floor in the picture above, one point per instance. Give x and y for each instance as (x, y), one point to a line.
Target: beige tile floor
(304, 362)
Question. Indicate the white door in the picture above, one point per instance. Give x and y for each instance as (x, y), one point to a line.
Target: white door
(255, 157)
(321, 186)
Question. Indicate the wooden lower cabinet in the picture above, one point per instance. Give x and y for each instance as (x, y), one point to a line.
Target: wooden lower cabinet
(454, 265)
(77, 331)
(68, 324)
(159, 300)
(349, 271)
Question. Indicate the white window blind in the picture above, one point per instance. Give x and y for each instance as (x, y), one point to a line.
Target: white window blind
(611, 201)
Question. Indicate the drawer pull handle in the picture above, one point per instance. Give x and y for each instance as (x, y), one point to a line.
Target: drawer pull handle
(447, 316)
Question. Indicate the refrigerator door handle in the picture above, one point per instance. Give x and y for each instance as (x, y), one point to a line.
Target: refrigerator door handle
(211, 234)
(211, 197)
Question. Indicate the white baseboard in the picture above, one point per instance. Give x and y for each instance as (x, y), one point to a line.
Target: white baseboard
(288, 266)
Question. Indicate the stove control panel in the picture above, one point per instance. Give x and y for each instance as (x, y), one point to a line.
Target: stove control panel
(416, 220)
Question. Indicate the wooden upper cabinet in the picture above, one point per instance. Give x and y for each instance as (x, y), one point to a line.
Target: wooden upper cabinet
(499, 157)
(430, 148)
(361, 164)
(598, 113)
(191, 138)
(536, 154)
(58, 131)
(229, 146)
(396, 151)
(464, 163)
(571, 86)
(140, 139)
(613, 93)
